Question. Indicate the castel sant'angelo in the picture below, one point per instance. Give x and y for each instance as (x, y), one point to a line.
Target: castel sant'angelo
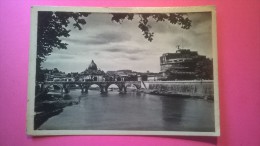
(185, 65)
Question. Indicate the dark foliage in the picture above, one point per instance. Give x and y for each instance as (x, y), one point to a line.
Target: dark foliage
(204, 69)
(52, 26)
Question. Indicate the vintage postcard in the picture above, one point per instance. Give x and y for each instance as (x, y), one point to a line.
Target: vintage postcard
(123, 71)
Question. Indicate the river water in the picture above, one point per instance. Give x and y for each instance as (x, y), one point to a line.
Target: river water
(133, 111)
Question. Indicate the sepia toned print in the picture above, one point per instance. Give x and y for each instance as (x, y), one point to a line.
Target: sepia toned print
(123, 71)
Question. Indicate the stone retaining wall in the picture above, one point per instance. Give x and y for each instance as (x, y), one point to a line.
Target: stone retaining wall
(192, 88)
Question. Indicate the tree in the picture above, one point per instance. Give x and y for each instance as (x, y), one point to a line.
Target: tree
(204, 69)
(53, 25)
(69, 75)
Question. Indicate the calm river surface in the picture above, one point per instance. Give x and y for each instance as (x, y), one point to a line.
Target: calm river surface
(133, 111)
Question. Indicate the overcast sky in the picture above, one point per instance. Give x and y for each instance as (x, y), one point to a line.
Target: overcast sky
(115, 46)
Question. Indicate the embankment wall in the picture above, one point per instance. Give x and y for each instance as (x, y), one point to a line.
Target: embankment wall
(191, 88)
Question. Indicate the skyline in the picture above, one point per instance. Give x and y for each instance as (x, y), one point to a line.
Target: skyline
(115, 46)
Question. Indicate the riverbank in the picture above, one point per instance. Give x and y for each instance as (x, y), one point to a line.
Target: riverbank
(50, 104)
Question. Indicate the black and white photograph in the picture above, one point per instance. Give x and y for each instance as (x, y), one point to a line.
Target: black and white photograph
(123, 71)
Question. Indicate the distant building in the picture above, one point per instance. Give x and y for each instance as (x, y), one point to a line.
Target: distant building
(148, 76)
(152, 76)
(129, 75)
(54, 75)
(184, 65)
(92, 73)
(122, 75)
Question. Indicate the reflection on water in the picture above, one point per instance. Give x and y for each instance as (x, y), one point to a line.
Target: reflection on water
(190, 114)
(133, 111)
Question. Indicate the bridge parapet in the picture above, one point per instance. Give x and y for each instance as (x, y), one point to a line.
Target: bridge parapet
(84, 85)
(88, 82)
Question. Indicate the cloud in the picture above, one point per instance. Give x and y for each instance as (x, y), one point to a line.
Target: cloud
(164, 27)
(96, 53)
(98, 39)
(113, 37)
(183, 42)
(124, 49)
(199, 17)
(201, 23)
(57, 56)
(133, 58)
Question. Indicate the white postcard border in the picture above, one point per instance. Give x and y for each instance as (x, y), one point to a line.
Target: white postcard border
(32, 69)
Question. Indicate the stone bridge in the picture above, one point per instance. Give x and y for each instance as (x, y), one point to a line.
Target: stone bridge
(84, 86)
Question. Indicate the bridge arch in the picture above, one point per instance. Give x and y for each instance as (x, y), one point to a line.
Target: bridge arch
(46, 87)
(94, 85)
(137, 86)
(86, 86)
(114, 85)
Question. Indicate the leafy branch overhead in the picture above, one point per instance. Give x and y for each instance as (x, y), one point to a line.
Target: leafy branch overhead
(52, 26)
(173, 18)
